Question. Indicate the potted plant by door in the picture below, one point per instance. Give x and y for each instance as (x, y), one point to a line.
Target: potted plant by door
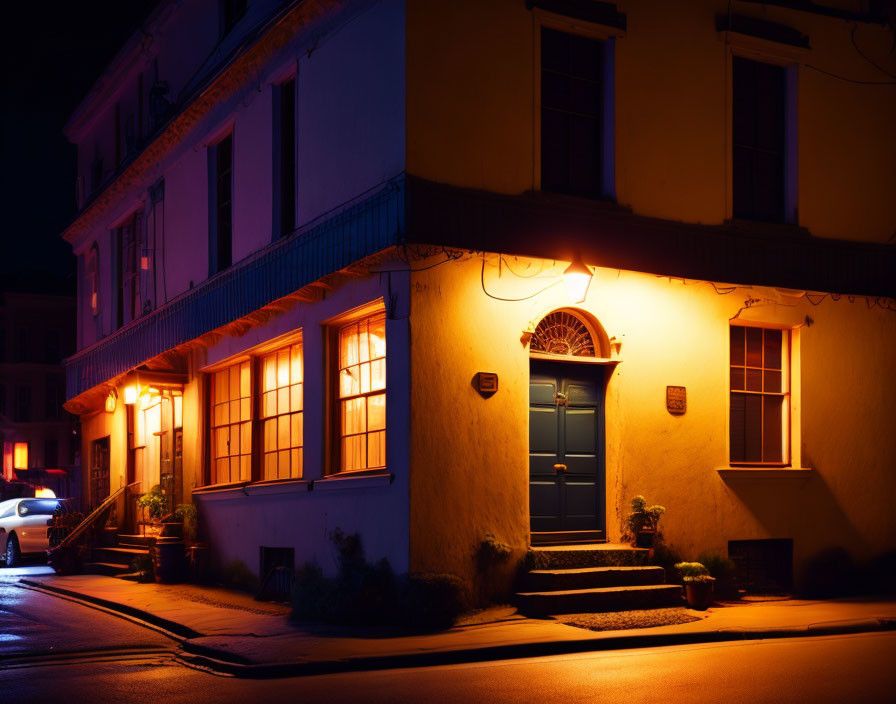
(697, 584)
(197, 553)
(154, 503)
(642, 523)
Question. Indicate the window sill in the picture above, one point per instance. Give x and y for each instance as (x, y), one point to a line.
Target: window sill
(220, 492)
(764, 473)
(353, 481)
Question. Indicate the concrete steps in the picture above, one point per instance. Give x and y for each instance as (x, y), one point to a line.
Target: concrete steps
(594, 578)
(115, 560)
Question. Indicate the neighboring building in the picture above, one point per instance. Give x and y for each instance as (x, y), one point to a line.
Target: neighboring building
(40, 441)
(321, 249)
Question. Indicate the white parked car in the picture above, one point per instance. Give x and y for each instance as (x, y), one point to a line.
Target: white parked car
(23, 527)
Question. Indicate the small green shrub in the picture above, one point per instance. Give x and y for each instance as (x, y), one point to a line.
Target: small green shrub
(236, 575)
(154, 501)
(693, 572)
(190, 518)
(719, 567)
(371, 594)
(308, 592)
(667, 556)
(433, 601)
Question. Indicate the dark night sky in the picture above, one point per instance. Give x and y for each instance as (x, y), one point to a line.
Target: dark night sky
(52, 52)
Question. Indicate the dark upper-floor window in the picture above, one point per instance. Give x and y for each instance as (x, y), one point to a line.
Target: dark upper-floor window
(22, 411)
(285, 158)
(221, 202)
(572, 114)
(126, 272)
(758, 139)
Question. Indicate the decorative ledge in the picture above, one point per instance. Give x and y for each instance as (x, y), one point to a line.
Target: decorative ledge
(361, 481)
(759, 473)
(223, 492)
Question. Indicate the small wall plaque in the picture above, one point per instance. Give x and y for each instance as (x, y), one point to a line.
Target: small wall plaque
(676, 399)
(486, 383)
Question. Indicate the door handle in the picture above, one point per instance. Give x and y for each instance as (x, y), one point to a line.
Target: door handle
(559, 467)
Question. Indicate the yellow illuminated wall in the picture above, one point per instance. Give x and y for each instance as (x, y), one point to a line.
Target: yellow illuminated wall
(469, 454)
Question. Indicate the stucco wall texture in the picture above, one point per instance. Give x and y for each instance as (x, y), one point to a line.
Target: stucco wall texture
(469, 455)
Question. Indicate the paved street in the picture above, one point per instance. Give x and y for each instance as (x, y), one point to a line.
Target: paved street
(849, 668)
(35, 624)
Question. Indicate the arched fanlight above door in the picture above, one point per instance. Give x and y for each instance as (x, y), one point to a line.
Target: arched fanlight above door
(564, 334)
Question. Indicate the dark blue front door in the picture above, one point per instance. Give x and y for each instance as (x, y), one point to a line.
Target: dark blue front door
(566, 447)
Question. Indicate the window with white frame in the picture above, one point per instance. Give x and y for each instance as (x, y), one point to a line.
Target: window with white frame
(361, 394)
(760, 395)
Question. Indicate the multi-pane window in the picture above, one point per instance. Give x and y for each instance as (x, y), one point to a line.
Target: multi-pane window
(758, 138)
(362, 394)
(232, 424)
(759, 373)
(571, 114)
(281, 413)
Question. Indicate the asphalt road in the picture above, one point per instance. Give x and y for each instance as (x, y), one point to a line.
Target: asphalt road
(112, 660)
(36, 625)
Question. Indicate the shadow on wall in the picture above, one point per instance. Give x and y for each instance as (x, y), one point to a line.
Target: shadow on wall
(825, 538)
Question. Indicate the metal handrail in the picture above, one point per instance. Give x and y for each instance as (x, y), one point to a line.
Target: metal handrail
(92, 517)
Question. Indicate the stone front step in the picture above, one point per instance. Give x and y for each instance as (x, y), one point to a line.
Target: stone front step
(108, 569)
(141, 541)
(560, 557)
(572, 601)
(121, 556)
(593, 578)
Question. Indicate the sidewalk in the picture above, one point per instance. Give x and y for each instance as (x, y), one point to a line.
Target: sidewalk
(230, 632)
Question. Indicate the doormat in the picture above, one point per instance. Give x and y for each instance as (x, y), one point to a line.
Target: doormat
(624, 620)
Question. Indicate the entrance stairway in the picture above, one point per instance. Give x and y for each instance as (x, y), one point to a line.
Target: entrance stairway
(115, 556)
(592, 578)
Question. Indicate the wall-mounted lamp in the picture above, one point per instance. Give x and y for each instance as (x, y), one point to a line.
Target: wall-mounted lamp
(577, 278)
(130, 394)
(111, 401)
(20, 455)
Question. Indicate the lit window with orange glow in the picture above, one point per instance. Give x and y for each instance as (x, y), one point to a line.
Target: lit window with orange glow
(281, 413)
(232, 424)
(760, 385)
(362, 394)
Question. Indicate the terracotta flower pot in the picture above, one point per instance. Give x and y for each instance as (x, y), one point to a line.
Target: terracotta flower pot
(645, 539)
(699, 594)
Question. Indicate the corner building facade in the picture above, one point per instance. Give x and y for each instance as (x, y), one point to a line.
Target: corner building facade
(322, 249)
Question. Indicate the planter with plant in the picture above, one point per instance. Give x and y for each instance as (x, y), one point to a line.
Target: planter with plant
(154, 504)
(642, 524)
(697, 584)
(197, 553)
(724, 571)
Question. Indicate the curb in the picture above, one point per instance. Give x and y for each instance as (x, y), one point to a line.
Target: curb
(209, 657)
(172, 627)
(226, 663)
